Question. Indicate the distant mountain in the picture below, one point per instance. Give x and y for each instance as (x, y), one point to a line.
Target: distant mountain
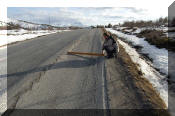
(29, 25)
(17, 24)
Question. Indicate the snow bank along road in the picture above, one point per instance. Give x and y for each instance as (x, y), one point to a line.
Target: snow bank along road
(42, 76)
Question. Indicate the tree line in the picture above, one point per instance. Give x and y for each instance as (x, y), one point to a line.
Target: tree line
(157, 23)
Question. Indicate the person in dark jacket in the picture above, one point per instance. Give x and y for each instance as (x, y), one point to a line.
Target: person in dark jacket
(110, 46)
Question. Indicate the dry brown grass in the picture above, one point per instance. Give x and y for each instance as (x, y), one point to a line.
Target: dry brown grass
(158, 38)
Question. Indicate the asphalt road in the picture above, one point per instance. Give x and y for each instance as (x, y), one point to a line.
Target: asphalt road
(42, 76)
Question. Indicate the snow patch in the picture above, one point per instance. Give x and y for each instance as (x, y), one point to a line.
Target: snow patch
(21, 35)
(159, 56)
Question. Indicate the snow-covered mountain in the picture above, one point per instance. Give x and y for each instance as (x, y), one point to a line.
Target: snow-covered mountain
(26, 25)
(29, 25)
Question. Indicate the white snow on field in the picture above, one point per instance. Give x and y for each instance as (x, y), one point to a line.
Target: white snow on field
(160, 61)
(3, 32)
(159, 56)
(21, 35)
(150, 73)
(120, 28)
(138, 30)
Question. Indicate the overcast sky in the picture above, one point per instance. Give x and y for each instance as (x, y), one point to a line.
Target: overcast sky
(84, 15)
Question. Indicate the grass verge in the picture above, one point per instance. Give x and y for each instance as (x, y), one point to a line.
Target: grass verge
(157, 38)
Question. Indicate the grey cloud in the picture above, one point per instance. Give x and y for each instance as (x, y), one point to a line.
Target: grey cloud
(114, 17)
(119, 17)
(95, 8)
(104, 8)
(134, 10)
(77, 15)
(57, 18)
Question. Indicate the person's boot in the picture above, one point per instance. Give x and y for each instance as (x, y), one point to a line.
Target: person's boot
(110, 55)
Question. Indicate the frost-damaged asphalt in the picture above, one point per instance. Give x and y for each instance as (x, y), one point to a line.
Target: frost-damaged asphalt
(42, 76)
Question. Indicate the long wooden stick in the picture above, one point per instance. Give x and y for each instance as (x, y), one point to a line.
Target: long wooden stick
(85, 53)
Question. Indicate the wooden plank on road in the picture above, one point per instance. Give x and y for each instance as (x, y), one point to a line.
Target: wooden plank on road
(86, 53)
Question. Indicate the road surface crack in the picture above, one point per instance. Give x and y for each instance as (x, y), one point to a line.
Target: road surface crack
(17, 97)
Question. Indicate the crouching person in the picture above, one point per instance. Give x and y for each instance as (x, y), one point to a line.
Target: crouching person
(110, 46)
